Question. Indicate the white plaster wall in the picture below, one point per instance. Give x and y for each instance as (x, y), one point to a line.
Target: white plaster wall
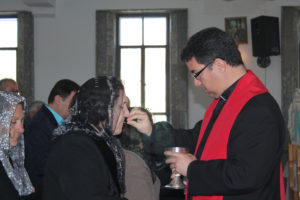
(65, 38)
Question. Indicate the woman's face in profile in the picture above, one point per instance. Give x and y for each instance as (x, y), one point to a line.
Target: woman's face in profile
(120, 112)
(16, 126)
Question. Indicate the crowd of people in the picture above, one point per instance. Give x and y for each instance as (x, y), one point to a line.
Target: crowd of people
(88, 143)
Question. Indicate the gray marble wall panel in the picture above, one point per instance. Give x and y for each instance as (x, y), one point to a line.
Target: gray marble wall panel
(105, 43)
(25, 58)
(289, 56)
(178, 71)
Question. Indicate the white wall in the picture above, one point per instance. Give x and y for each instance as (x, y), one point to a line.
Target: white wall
(65, 38)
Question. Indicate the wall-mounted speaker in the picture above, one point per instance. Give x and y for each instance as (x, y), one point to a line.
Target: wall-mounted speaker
(265, 36)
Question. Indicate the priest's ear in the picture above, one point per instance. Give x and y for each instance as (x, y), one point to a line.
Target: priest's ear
(220, 65)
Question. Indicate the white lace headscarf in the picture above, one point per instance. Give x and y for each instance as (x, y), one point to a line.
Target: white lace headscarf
(12, 158)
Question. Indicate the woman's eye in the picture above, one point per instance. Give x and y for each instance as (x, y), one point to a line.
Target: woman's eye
(123, 105)
(13, 122)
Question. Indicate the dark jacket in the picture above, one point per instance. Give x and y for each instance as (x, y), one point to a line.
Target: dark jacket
(38, 140)
(7, 189)
(80, 167)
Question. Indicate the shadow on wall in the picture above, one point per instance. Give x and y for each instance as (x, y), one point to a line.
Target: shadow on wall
(198, 96)
(198, 103)
(201, 97)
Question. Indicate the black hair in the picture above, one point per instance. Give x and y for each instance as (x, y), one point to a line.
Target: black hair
(95, 99)
(62, 88)
(209, 44)
(145, 110)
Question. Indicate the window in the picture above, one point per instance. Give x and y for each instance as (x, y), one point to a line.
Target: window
(8, 46)
(16, 50)
(108, 58)
(142, 49)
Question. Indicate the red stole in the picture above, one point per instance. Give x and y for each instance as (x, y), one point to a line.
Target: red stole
(216, 145)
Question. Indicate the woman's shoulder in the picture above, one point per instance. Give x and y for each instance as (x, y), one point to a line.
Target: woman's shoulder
(74, 136)
(75, 146)
(74, 140)
(138, 178)
(133, 158)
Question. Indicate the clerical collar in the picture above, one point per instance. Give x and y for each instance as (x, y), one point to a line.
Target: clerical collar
(226, 94)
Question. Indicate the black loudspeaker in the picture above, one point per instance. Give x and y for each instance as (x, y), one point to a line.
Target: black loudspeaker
(265, 36)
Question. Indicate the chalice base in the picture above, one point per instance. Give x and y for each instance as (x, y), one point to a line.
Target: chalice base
(175, 183)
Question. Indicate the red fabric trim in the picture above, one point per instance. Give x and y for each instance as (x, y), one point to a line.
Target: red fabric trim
(282, 190)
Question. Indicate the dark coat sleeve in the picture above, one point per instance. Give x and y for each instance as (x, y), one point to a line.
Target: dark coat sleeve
(254, 151)
(77, 170)
(164, 135)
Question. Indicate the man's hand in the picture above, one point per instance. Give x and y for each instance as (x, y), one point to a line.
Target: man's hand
(140, 121)
(179, 162)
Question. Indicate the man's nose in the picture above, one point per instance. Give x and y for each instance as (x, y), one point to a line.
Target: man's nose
(197, 83)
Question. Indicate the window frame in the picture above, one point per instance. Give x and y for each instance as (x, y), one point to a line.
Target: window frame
(143, 47)
(6, 16)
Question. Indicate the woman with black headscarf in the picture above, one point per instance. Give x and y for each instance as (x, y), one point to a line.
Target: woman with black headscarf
(87, 161)
(14, 180)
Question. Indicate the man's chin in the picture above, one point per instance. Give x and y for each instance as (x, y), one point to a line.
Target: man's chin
(212, 95)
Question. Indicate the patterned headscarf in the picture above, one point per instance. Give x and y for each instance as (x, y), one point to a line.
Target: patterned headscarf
(12, 158)
(80, 113)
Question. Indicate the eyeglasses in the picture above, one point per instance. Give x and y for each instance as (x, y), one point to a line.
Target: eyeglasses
(195, 75)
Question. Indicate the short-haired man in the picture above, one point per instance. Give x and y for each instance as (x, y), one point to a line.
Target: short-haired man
(236, 148)
(38, 134)
(9, 85)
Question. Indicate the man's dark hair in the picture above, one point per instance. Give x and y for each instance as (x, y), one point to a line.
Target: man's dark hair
(96, 98)
(62, 88)
(209, 44)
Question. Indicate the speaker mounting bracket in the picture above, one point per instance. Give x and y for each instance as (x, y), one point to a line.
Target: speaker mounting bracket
(263, 62)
